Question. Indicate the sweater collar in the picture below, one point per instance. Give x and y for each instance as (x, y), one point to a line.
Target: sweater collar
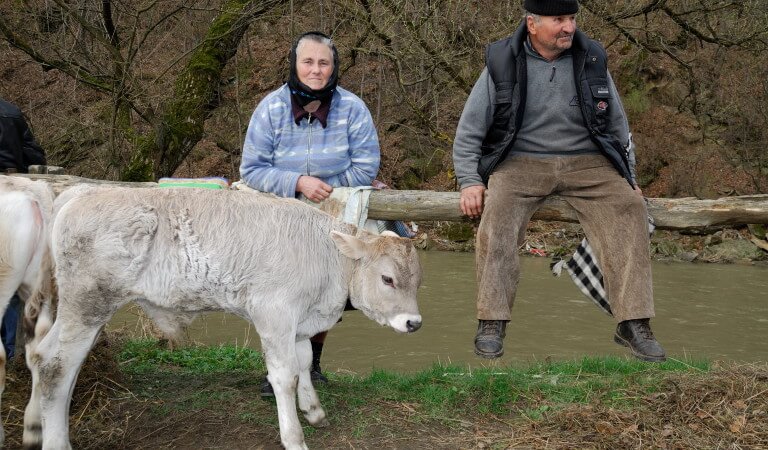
(321, 114)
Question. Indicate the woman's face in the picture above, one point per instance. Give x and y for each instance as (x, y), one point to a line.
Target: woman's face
(314, 64)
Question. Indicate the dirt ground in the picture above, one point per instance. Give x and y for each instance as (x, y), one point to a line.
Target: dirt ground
(724, 408)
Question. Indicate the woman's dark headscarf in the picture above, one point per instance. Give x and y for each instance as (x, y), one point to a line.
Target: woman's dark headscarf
(303, 93)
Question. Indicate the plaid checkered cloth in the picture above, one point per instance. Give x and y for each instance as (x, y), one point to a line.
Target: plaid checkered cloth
(586, 274)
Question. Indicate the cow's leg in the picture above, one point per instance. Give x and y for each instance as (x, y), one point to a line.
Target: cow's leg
(59, 357)
(309, 402)
(38, 319)
(279, 349)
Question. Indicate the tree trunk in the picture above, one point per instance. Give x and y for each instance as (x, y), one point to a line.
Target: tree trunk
(158, 153)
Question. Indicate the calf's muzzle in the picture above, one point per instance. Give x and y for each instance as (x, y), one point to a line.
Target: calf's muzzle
(413, 325)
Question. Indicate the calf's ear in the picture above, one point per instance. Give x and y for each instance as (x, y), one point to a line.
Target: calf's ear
(349, 245)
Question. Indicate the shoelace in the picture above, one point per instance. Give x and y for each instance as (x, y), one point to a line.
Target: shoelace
(491, 326)
(645, 330)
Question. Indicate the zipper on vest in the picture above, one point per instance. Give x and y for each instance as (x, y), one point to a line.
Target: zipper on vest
(309, 141)
(552, 77)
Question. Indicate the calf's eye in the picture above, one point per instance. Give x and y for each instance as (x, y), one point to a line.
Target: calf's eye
(388, 280)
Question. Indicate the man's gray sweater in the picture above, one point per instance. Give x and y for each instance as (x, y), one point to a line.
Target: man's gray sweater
(552, 122)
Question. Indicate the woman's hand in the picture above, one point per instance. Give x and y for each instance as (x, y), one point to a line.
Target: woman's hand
(313, 188)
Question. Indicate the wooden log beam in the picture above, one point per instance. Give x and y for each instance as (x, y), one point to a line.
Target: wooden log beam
(690, 212)
(668, 213)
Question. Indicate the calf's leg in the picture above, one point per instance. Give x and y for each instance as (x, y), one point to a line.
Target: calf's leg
(309, 402)
(59, 358)
(283, 373)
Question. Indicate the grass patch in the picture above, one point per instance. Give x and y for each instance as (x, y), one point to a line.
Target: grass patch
(450, 390)
(439, 392)
(137, 394)
(146, 356)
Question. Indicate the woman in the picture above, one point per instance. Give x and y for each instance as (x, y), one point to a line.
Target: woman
(309, 136)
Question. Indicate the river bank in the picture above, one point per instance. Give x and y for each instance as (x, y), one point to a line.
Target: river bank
(135, 394)
(743, 245)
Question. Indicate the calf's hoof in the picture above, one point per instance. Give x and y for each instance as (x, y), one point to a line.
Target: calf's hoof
(322, 423)
(316, 417)
(32, 439)
(302, 446)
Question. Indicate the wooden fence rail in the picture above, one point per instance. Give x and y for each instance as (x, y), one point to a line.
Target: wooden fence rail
(668, 213)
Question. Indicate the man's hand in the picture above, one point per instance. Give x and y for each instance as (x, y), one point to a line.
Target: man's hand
(313, 188)
(472, 200)
(638, 190)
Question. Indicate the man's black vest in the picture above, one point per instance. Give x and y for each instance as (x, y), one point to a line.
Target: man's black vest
(508, 69)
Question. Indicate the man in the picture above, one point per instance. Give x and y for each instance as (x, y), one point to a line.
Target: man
(18, 150)
(545, 118)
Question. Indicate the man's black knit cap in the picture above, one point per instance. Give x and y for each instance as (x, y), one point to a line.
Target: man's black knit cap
(551, 7)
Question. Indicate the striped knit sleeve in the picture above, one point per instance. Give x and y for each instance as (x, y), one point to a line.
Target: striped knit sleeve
(365, 154)
(257, 168)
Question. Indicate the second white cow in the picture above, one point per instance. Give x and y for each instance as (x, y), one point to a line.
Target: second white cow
(25, 266)
(285, 266)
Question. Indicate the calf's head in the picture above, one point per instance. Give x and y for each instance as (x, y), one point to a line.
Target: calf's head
(385, 278)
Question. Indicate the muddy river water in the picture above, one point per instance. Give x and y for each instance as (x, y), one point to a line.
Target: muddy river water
(717, 312)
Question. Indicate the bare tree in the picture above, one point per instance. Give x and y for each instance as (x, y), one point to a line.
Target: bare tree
(160, 98)
(414, 61)
(718, 50)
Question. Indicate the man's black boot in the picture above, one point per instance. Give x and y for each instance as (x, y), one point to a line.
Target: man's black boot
(637, 335)
(316, 374)
(265, 389)
(489, 340)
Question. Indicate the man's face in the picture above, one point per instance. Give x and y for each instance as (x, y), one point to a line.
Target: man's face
(552, 35)
(314, 64)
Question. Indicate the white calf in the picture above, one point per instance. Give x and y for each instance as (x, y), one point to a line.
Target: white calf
(279, 263)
